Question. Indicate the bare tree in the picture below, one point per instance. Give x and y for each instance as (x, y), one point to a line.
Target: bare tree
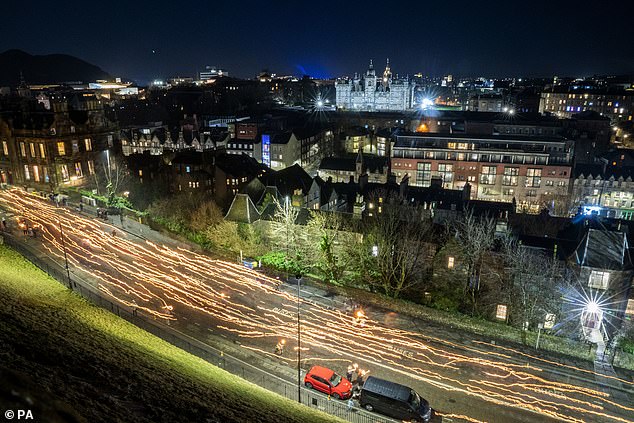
(393, 254)
(558, 202)
(287, 236)
(113, 176)
(325, 230)
(533, 284)
(476, 237)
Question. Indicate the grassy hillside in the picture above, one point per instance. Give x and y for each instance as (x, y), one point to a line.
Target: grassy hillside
(67, 360)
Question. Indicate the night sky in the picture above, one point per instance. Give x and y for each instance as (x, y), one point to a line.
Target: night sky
(144, 40)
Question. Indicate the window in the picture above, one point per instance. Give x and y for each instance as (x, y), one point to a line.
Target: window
(75, 146)
(88, 144)
(78, 171)
(510, 176)
(42, 151)
(23, 149)
(533, 178)
(561, 183)
(27, 173)
(140, 172)
(423, 174)
(446, 172)
(550, 183)
(471, 178)
(61, 148)
(32, 148)
(64, 171)
(187, 169)
(487, 176)
(599, 279)
(508, 191)
(5, 148)
(36, 173)
(450, 262)
(91, 167)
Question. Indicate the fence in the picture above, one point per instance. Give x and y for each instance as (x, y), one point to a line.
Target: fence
(192, 345)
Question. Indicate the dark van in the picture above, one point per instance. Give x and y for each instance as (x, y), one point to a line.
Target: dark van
(394, 400)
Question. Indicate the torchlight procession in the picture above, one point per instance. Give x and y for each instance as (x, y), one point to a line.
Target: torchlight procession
(165, 283)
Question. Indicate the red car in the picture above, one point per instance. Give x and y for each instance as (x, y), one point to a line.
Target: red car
(328, 382)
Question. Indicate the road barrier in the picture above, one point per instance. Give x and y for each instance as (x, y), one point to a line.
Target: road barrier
(190, 344)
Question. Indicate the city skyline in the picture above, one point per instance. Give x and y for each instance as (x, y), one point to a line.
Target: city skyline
(146, 41)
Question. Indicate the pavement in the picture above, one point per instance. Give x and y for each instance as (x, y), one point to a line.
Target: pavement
(466, 378)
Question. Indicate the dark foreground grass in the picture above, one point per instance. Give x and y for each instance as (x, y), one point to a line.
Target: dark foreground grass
(67, 360)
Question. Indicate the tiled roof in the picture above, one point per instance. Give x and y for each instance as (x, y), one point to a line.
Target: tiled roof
(604, 249)
(242, 210)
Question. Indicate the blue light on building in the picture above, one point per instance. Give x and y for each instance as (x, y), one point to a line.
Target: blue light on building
(266, 149)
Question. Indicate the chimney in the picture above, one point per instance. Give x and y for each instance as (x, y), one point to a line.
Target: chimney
(403, 186)
(466, 192)
(363, 181)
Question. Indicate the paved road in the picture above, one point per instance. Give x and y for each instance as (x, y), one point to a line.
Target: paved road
(219, 301)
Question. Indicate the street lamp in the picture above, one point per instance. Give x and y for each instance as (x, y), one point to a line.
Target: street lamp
(299, 339)
(61, 232)
(426, 103)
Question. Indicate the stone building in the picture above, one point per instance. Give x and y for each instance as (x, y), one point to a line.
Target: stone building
(61, 142)
(374, 92)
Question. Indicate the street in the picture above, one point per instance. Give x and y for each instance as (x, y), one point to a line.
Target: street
(201, 296)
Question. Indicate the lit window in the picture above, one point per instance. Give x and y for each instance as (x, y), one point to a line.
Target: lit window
(78, 171)
(599, 280)
(91, 167)
(32, 148)
(61, 148)
(450, 262)
(36, 173)
(5, 148)
(27, 173)
(23, 149)
(42, 151)
(64, 171)
(140, 172)
(88, 144)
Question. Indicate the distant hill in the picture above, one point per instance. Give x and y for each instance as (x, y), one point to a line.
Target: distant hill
(46, 69)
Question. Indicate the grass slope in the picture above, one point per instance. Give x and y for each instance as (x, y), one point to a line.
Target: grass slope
(68, 360)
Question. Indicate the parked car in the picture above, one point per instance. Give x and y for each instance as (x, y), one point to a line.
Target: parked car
(394, 400)
(327, 381)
